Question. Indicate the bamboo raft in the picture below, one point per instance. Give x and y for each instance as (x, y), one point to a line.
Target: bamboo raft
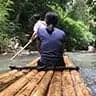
(43, 83)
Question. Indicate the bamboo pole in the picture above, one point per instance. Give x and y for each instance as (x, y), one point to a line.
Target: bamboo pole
(21, 50)
(7, 74)
(15, 87)
(11, 76)
(11, 79)
(67, 84)
(36, 83)
(41, 89)
(78, 84)
(80, 87)
(68, 61)
(55, 86)
(26, 91)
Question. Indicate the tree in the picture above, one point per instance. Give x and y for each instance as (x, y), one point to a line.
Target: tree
(5, 25)
(78, 35)
(92, 11)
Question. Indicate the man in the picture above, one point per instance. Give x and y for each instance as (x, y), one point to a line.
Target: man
(50, 42)
(40, 23)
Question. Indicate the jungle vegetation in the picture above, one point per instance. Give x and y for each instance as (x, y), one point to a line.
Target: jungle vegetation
(76, 17)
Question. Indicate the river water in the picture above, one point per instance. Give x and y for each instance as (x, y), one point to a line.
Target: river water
(86, 62)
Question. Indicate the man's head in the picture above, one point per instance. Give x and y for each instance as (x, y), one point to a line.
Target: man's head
(51, 18)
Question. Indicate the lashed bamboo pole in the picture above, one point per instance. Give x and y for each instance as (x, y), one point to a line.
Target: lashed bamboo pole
(55, 86)
(80, 87)
(78, 84)
(41, 89)
(26, 91)
(7, 74)
(67, 61)
(11, 79)
(12, 76)
(27, 85)
(67, 84)
(15, 87)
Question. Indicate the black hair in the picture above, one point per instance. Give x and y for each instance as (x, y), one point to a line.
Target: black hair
(51, 18)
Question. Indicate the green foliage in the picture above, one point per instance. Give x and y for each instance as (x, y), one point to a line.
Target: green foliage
(22, 16)
(92, 6)
(77, 19)
(5, 25)
(79, 11)
(92, 12)
(4, 41)
(78, 35)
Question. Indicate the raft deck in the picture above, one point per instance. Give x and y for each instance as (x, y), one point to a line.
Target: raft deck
(43, 83)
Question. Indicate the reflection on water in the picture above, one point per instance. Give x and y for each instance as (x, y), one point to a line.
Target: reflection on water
(86, 61)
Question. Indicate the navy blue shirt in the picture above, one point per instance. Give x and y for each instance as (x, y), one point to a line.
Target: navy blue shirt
(51, 48)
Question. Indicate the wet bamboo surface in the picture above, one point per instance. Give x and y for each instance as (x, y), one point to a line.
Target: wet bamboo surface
(43, 83)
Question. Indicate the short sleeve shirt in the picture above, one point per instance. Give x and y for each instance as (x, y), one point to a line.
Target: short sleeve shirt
(51, 48)
(38, 24)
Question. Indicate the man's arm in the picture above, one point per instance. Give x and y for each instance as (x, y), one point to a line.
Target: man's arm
(33, 37)
(38, 43)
